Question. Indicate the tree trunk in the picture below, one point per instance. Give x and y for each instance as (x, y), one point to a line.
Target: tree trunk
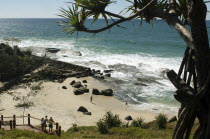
(195, 101)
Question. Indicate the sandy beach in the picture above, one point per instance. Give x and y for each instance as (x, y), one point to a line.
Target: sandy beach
(62, 104)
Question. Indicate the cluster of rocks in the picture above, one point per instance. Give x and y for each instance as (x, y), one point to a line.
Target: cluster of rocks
(106, 92)
(101, 75)
(79, 89)
(84, 110)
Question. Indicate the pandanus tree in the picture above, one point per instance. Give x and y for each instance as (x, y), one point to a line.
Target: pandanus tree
(188, 18)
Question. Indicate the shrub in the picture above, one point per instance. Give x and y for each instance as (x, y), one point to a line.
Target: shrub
(24, 104)
(112, 120)
(75, 127)
(137, 122)
(160, 121)
(102, 127)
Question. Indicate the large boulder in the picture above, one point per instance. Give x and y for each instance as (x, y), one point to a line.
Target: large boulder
(82, 109)
(84, 81)
(78, 92)
(96, 92)
(107, 92)
(64, 87)
(128, 118)
(73, 82)
(77, 85)
(173, 119)
(84, 89)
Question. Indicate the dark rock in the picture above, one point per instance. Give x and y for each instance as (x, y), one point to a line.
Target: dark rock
(108, 75)
(85, 85)
(108, 71)
(99, 77)
(128, 118)
(64, 87)
(93, 71)
(82, 109)
(173, 119)
(96, 92)
(84, 90)
(107, 92)
(84, 81)
(87, 113)
(140, 84)
(98, 71)
(78, 76)
(52, 50)
(78, 92)
(77, 85)
(73, 82)
(101, 74)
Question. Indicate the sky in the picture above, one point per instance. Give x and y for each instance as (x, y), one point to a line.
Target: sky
(46, 8)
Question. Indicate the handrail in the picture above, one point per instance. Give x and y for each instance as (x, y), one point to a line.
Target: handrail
(34, 118)
(12, 123)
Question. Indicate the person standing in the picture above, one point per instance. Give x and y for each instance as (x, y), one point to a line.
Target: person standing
(44, 123)
(91, 99)
(51, 122)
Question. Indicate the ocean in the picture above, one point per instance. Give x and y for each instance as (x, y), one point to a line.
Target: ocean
(139, 55)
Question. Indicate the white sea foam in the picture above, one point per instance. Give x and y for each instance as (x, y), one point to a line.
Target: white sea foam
(129, 67)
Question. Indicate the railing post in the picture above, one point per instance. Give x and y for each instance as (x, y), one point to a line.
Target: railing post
(56, 128)
(0, 124)
(2, 119)
(59, 131)
(14, 121)
(29, 120)
(10, 123)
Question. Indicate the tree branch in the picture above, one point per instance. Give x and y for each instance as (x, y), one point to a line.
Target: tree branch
(119, 21)
(176, 24)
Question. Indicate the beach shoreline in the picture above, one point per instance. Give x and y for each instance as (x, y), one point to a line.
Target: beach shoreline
(62, 104)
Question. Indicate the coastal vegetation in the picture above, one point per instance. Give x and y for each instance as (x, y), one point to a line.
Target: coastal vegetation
(101, 130)
(15, 63)
(188, 18)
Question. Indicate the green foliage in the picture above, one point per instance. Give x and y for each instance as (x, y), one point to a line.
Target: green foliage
(102, 127)
(75, 19)
(15, 62)
(112, 120)
(161, 121)
(137, 122)
(24, 105)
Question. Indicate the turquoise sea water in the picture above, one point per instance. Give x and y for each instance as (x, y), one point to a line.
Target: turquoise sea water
(139, 55)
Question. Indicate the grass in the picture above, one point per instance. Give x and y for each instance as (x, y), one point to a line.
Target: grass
(91, 132)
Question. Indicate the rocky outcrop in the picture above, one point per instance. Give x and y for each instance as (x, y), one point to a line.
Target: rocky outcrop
(107, 92)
